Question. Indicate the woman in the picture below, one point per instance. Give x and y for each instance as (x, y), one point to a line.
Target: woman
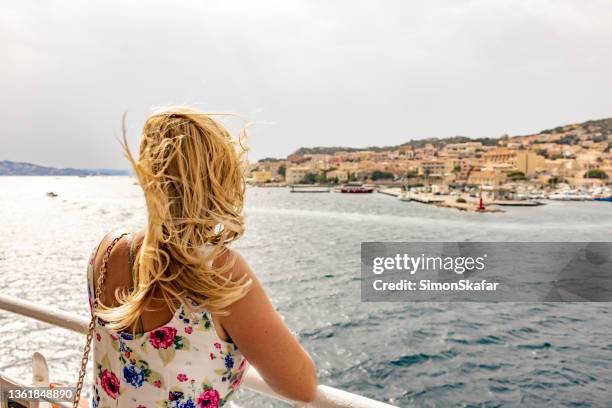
(180, 313)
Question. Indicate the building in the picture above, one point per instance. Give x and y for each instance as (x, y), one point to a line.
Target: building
(271, 165)
(487, 177)
(528, 162)
(432, 168)
(295, 175)
(341, 175)
(464, 149)
(260, 177)
(500, 155)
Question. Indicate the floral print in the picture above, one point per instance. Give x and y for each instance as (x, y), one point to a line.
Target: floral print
(162, 337)
(133, 375)
(177, 399)
(183, 364)
(110, 383)
(95, 398)
(229, 373)
(208, 398)
(204, 397)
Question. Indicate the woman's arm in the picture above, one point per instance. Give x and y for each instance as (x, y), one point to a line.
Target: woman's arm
(266, 342)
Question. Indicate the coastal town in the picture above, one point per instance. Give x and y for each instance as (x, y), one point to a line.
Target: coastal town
(572, 162)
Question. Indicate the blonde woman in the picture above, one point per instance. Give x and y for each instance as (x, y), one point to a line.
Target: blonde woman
(180, 316)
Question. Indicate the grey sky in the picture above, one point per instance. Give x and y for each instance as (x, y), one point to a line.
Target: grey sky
(307, 73)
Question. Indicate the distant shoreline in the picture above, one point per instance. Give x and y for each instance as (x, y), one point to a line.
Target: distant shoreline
(11, 168)
(66, 175)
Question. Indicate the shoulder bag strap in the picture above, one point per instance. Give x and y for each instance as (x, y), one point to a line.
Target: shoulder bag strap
(92, 322)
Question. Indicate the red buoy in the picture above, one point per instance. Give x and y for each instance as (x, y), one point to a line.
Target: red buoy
(481, 206)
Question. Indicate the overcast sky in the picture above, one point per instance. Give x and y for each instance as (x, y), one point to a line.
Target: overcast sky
(307, 73)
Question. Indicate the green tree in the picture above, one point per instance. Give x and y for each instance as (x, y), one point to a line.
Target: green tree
(555, 180)
(309, 178)
(596, 174)
(570, 139)
(381, 175)
(516, 175)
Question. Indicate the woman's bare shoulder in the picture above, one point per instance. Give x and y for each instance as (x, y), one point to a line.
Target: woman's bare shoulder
(117, 269)
(239, 269)
(120, 249)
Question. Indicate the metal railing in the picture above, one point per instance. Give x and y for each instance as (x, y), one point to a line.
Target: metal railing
(327, 397)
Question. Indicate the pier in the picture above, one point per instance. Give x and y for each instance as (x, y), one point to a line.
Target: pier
(446, 201)
(517, 203)
(309, 188)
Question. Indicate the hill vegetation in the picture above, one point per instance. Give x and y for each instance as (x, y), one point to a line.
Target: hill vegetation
(595, 130)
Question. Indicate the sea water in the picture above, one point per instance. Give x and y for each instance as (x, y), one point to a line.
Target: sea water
(305, 248)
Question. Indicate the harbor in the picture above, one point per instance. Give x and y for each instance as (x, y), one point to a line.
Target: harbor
(572, 162)
(484, 199)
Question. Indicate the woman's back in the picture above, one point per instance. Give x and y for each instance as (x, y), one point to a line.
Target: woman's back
(182, 363)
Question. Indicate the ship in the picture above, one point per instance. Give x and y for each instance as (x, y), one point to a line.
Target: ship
(356, 188)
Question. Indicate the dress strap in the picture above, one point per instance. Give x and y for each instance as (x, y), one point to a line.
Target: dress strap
(134, 277)
(132, 259)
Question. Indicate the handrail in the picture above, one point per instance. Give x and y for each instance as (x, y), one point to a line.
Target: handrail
(327, 397)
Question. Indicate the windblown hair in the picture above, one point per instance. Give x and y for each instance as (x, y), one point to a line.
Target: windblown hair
(192, 174)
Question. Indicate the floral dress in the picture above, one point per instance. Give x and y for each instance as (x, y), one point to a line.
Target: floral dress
(183, 364)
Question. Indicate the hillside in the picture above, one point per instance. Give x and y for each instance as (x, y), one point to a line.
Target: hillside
(596, 130)
(601, 127)
(11, 168)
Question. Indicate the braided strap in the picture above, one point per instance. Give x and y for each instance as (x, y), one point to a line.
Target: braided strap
(92, 322)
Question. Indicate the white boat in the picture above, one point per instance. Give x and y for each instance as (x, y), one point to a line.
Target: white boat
(405, 196)
(560, 196)
(536, 196)
(521, 196)
(581, 197)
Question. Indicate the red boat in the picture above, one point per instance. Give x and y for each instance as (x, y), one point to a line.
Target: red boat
(356, 189)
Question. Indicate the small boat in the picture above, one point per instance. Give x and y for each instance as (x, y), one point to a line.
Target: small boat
(580, 195)
(356, 189)
(565, 196)
(606, 199)
(51, 194)
(521, 196)
(405, 197)
(536, 196)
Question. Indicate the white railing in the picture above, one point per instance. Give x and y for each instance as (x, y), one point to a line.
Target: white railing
(327, 397)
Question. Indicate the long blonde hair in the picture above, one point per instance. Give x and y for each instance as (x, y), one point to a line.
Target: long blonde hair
(192, 174)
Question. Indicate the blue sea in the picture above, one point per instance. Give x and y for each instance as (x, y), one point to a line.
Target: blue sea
(305, 248)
